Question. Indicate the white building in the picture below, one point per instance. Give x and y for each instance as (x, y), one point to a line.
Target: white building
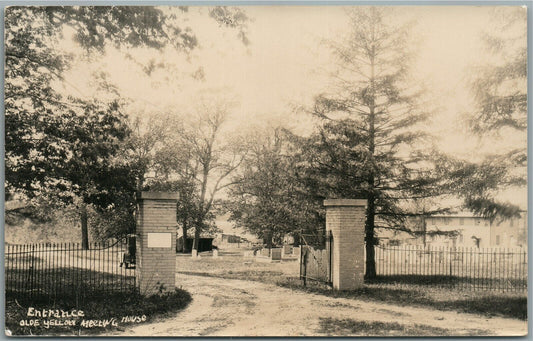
(474, 231)
(462, 230)
(510, 233)
(469, 230)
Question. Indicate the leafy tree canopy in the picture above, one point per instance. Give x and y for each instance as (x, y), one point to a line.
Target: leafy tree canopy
(371, 143)
(267, 198)
(65, 146)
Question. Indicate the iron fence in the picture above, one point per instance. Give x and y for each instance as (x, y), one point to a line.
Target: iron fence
(66, 269)
(462, 268)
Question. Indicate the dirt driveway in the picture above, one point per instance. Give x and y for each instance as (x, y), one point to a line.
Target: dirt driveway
(225, 307)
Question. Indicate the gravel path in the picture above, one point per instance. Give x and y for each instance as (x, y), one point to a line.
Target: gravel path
(224, 307)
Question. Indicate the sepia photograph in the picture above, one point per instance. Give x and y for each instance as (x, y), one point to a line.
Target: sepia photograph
(265, 170)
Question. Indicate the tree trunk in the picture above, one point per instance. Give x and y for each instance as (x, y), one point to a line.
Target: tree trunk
(371, 208)
(184, 237)
(369, 239)
(84, 229)
(140, 183)
(201, 215)
(269, 239)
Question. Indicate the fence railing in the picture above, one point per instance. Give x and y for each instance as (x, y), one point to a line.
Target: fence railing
(64, 269)
(464, 268)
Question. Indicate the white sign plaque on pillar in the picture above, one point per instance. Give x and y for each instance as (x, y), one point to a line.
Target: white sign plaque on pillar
(163, 240)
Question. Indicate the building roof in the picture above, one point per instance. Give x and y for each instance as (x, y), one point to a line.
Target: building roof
(464, 214)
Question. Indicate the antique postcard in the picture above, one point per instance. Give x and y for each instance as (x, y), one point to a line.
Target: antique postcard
(265, 170)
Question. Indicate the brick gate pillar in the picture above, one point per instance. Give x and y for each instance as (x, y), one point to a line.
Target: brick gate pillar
(345, 218)
(156, 241)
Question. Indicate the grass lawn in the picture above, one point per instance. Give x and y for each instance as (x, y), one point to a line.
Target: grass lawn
(99, 306)
(485, 303)
(285, 274)
(352, 327)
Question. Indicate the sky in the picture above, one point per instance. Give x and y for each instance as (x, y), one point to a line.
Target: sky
(286, 64)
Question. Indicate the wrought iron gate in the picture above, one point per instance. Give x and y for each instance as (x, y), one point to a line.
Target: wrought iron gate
(316, 257)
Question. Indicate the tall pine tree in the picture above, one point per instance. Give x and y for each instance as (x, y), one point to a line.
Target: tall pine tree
(368, 146)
